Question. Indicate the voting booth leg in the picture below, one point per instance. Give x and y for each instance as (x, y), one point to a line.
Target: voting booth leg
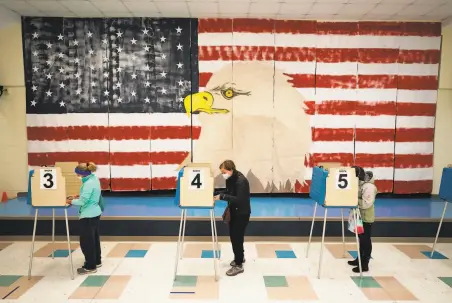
(216, 234)
(69, 245)
(312, 227)
(32, 244)
(178, 250)
(355, 214)
(214, 243)
(343, 233)
(53, 233)
(323, 242)
(439, 228)
(184, 213)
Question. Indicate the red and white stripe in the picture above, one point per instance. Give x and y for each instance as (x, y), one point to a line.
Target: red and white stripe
(375, 82)
(133, 151)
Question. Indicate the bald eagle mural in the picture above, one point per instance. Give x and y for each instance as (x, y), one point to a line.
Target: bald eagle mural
(250, 113)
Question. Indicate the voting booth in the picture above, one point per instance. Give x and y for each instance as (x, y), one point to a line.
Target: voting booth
(445, 193)
(194, 190)
(47, 189)
(333, 186)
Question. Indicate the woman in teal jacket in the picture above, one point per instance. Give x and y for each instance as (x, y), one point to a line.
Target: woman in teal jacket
(91, 208)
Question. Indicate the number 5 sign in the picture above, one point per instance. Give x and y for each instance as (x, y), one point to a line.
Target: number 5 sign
(342, 180)
(196, 179)
(48, 178)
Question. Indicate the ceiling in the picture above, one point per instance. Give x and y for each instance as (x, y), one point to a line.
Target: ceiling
(428, 10)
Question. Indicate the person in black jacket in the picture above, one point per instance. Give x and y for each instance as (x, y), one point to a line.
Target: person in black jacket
(237, 195)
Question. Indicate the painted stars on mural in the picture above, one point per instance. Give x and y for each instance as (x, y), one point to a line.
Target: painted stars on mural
(118, 67)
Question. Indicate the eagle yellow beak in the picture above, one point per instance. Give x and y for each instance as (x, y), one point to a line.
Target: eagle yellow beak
(201, 102)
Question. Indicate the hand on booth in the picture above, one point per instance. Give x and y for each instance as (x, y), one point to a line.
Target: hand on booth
(69, 200)
(216, 198)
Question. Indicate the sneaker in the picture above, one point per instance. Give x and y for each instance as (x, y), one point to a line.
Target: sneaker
(233, 263)
(354, 262)
(97, 266)
(235, 270)
(84, 271)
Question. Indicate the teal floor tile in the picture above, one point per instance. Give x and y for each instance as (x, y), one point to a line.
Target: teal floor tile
(436, 255)
(61, 253)
(354, 254)
(136, 253)
(185, 281)
(95, 281)
(447, 280)
(275, 281)
(285, 254)
(208, 254)
(366, 282)
(6, 281)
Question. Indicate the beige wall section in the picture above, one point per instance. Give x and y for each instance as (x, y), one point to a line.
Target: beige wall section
(13, 141)
(443, 128)
(13, 135)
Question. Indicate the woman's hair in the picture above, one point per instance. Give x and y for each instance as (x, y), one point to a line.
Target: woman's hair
(368, 176)
(88, 167)
(227, 165)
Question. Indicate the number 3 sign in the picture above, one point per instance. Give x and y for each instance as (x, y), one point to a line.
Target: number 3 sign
(48, 178)
(342, 181)
(196, 179)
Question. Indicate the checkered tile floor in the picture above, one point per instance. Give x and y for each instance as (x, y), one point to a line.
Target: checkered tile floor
(274, 272)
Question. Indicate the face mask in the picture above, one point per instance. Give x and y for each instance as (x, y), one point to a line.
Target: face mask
(226, 176)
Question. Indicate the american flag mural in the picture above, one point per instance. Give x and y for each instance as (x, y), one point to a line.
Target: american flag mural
(112, 90)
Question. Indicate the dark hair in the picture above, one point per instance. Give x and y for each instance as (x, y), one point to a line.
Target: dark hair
(228, 165)
(360, 173)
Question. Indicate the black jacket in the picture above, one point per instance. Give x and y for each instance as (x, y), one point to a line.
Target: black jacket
(237, 194)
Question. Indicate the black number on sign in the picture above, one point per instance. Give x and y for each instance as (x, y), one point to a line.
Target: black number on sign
(49, 179)
(197, 181)
(342, 181)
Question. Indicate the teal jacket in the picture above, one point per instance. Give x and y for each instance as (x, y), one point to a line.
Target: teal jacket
(90, 201)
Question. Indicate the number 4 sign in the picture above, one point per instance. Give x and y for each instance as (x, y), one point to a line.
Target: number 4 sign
(48, 178)
(342, 181)
(196, 179)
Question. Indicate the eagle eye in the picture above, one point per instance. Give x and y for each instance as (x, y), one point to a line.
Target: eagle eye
(228, 93)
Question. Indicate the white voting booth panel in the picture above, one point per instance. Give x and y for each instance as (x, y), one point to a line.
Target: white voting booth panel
(341, 188)
(48, 187)
(197, 186)
(341, 191)
(48, 190)
(196, 192)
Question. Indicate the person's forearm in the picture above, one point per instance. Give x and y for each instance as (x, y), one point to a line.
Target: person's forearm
(78, 202)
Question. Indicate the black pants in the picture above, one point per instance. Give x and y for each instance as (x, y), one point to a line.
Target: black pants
(90, 241)
(365, 243)
(237, 227)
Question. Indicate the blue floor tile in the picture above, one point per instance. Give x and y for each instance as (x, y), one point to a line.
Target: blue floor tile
(285, 254)
(436, 255)
(61, 253)
(136, 253)
(354, 254)
(208, 254)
